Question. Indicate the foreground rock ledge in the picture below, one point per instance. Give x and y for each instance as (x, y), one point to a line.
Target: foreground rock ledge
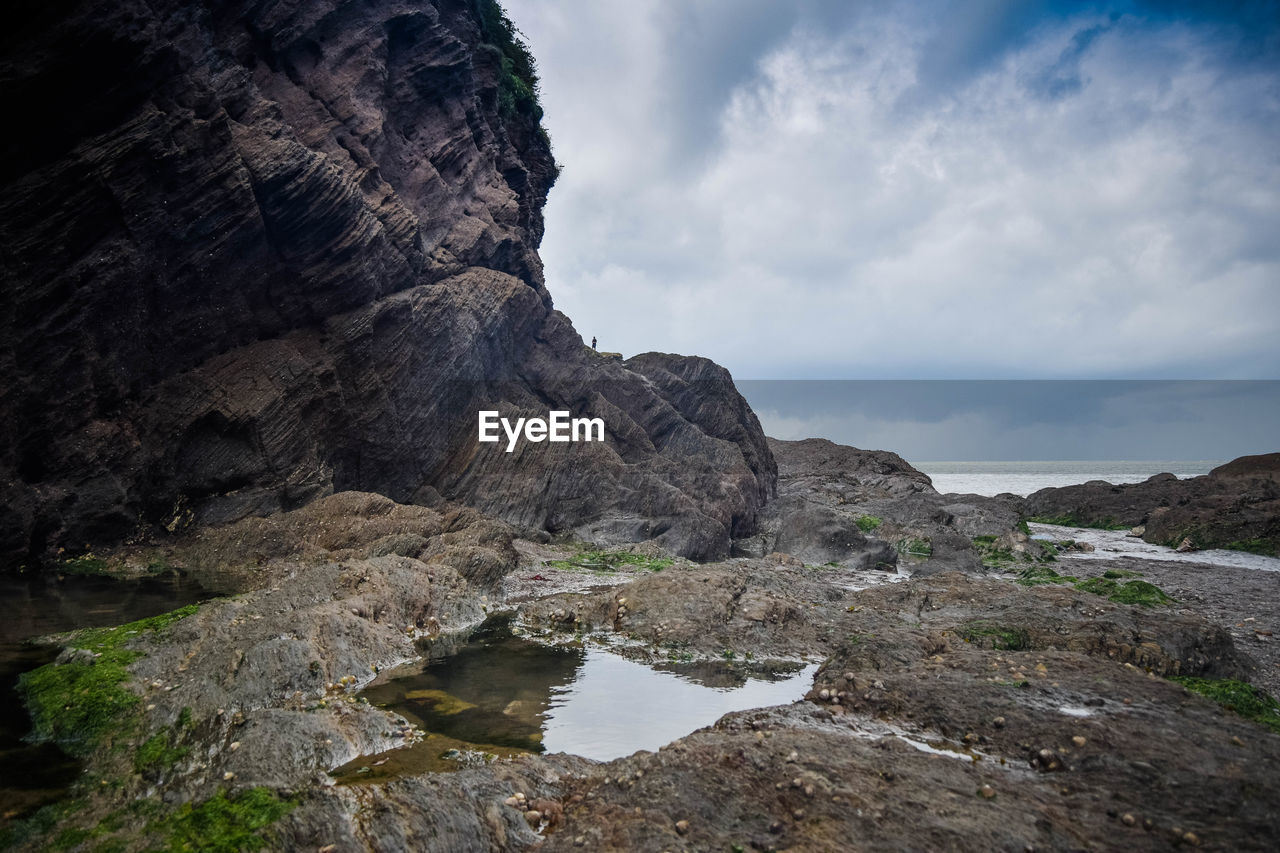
(1079, 742)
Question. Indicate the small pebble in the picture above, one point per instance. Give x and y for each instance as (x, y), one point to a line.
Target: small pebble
(1079, 740)
(793, 756)
(987, 792)
(235, 744)
(534, 817)
(682, 826)
(798, 814)
(228, 776)
(1128, 819)
(998, 722)
(1192, 839)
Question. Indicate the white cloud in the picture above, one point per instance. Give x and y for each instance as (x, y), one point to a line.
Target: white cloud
(1099, 200)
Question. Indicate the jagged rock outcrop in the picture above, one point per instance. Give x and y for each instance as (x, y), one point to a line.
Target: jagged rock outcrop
(255, 253)
(861, 508)
(1236, 505)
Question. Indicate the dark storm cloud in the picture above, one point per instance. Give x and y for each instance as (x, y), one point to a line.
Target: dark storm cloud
(941, 189)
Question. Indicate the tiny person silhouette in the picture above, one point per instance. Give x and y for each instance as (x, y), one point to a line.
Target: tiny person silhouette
(593, 341)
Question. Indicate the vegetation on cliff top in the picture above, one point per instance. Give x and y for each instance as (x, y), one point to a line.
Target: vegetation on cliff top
(518, 83)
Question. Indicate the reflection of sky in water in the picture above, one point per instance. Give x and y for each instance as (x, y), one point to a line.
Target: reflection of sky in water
(614, 706)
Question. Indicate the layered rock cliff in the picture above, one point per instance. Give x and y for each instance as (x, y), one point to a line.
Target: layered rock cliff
(257, 252)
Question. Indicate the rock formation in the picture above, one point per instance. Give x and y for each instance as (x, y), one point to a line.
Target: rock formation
(255, 253)
(1236, 505)
(862, 508)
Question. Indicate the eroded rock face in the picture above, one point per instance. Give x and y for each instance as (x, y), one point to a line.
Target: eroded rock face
(257, 253)
(855, 508)
(1234, 505)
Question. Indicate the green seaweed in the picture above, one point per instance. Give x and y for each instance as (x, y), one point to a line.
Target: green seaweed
(1117, 574)
(38, 824)
(75, 704)
(610, 561)
(1238, 697)
(1136, 592)
(159, 752)
(1039, 575)
(912, 547)
(868, 523)
(223, 824)
(1264, 547)
(1108, 586)
(1001, 637)
(1070, 520)
(1141, 593)
(85, 565)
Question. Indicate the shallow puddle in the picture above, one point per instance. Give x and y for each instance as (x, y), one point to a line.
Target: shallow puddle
(500, 695)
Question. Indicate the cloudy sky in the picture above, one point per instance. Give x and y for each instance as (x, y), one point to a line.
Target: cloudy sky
(987, 189)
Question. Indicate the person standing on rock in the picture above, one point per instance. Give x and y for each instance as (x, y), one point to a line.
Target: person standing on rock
(593, 341)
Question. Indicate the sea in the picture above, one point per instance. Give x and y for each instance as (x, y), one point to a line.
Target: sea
(1023, 478)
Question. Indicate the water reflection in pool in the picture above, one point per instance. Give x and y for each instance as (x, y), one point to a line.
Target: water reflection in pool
(501, 694)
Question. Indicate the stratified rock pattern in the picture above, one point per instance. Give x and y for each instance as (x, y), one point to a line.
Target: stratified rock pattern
(1236, 505)
(255, 253)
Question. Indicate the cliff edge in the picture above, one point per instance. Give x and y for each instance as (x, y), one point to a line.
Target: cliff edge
(256, 253)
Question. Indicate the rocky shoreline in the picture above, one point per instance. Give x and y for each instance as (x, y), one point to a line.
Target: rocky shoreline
(951, 709)
(265, 263)
(1236, 506)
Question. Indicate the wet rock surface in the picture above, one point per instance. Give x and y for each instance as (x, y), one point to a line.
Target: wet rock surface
(1236, 505)
(867, 508)
(1244, 602)
(949, 711)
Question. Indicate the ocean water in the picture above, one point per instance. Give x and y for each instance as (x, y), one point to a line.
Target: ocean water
(1023, 478)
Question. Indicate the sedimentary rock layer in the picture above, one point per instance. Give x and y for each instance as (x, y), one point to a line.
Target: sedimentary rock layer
(254, 253)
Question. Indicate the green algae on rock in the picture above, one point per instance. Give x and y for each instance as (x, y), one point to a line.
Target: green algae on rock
(77, 701)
